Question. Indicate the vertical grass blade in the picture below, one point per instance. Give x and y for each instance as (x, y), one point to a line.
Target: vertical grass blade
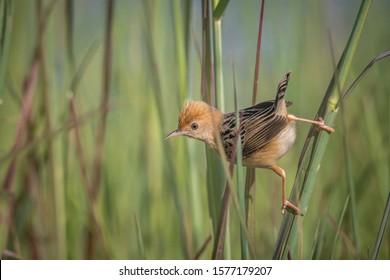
(341, 219)
(215, 173)
(258, 48)
(69, 29)
(213, 188)
(94, 231)
(6, 18)
(220, 231)
(240, 179)
(218, 82)
(140, 240)
(217, 48)
(250, 181)
(6, 201)
(315, 146)
(382, 229)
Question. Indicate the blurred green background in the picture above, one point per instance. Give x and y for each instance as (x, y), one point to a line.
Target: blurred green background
(150, 198)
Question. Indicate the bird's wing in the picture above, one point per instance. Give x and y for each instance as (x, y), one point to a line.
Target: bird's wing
(258, 124)
(259, 131)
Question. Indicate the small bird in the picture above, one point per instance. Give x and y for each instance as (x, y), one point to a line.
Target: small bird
(267, 131)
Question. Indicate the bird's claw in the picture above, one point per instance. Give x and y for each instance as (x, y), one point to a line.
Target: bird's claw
(322, 126)
(296, 210)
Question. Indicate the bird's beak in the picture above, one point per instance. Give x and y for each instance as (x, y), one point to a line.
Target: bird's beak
(175, 133)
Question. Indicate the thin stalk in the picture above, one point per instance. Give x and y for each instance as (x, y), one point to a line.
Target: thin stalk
(218, 84)
(240, 177)
(258, 48)
(69, 31)
(79, 148)
(7, 200)
(241, 200)
(140, 240)
(6, 18)
(320, 232)
(318, 240)
(202, 248)
(341, 219)
(214, 191)
(215, 173)
(316, 143)
(207, 59)
(180, 48)
(101, 130)
(218, 68)
(250, 181)
(343, 235)
(220, 233)
(382, 229)
(107, 66)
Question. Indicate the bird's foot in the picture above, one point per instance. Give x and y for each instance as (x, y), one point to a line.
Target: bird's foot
(322, 126)
(286, 204)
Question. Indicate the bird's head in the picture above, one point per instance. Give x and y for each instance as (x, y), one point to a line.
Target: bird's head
(200, 121)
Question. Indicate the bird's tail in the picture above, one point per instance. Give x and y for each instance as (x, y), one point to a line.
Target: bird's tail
(282, 87)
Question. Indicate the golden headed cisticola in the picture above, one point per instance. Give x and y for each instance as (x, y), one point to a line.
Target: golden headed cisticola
(267, 131)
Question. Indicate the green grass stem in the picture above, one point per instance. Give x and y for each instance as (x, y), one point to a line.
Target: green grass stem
(250, 180)
(240, 180)
(6, 18)
(382, 229)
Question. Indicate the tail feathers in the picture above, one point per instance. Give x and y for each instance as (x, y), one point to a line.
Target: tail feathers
(282, 87)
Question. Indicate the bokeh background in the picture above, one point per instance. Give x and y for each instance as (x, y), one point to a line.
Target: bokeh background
(85, 172)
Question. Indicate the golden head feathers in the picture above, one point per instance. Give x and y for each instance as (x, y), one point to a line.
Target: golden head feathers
(194, 110)
(198, 120)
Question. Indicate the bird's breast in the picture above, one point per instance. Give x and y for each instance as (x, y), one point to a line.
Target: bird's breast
(274, 150)
(286, 138)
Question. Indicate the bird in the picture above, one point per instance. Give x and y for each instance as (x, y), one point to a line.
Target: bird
(266, 129)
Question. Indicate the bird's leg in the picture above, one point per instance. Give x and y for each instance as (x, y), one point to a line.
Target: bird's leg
(320, 122)
(285, 202)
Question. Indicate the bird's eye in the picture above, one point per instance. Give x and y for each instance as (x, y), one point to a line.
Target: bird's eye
(194, 126)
